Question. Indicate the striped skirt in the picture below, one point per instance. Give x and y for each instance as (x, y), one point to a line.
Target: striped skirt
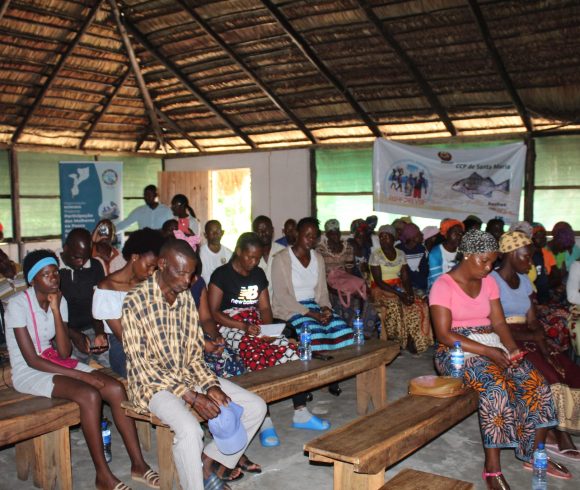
(335, 335)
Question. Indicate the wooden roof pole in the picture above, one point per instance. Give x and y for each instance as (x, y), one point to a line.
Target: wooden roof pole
(173, 125)
(247, 70)
(494, 53)
(176, 72)
(411, 66)
(309, 53)
(4, 8)
(108, 103)
(40, 97)
(142, 138)
(137, 72)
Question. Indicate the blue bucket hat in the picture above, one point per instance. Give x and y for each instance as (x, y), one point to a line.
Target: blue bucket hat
(227, 429)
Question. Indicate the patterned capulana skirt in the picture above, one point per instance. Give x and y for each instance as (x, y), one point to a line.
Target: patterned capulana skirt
(513, 403)
(335, 335)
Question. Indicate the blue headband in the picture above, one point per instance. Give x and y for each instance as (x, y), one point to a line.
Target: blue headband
(39, 265)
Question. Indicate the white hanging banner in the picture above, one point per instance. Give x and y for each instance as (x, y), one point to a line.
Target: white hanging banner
(432, 183)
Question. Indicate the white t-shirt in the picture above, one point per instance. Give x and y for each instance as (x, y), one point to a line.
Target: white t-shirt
(267, 266)
(211, 261)
(448, 259)
(304, 279)
(108, 305)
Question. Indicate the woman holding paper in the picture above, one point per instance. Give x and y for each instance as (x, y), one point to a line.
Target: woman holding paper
(240, 304)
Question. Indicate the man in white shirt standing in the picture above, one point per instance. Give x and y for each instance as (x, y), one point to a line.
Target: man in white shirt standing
(151, 215)
(213, 254)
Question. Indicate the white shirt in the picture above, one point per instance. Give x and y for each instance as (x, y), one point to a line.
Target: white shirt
(448, 260)
(304, 279)
(211, 261)
(573, 284)
(108, 305)
(146, 217)
(267, 266)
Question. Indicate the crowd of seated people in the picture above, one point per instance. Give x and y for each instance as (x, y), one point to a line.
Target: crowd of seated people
(176, 313)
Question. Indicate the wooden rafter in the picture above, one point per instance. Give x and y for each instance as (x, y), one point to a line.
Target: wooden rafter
(108, 103)
(177, 73)
(146, 131)
(411, 66)
(147, 101)
(503, 73)
(175, 127)
(281, 105)
(313, 58)
(4, 8)
(71, 47)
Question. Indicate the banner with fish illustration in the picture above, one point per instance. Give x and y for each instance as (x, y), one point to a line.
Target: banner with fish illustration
(432, 183)
(89, 192)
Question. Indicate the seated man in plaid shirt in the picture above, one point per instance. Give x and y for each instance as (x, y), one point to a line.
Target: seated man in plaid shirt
(166, 370)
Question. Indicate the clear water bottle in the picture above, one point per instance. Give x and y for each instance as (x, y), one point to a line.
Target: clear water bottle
(457, 360)
(305, 347)
(358, 327)
(539, 481)
(106, 434)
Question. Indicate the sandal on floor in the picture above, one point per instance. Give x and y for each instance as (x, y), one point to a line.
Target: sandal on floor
(122, 486)
(150, 478)
(212, 482)
(495, 480)
(570, 454)
(248, 466)
(314, 423)
(555, 470)
(226, 474)
(269, 437)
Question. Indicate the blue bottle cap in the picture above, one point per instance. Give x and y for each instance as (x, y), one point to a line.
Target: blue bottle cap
(457, 343)
(540, 445)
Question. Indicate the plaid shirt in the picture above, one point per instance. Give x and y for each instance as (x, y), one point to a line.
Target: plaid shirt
(163, 343)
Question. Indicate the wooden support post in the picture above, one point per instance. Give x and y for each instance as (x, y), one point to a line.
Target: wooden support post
(137, 72)
(371, 387)
(52, 457)
(15, 193)
(167, 471)
(346, 479)
(144, 433)
(313, 176)
(529, 179)
(25, 462)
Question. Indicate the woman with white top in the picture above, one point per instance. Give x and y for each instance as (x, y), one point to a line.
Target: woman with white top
(140, 251)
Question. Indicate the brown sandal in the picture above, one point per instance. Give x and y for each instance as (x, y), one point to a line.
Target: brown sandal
(150, 478)
(495, 481)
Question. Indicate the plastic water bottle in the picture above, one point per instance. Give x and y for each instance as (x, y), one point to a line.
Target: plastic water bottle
(305, 347)
(540, 467)
(457, 360)
(358, 326)
(106, 434)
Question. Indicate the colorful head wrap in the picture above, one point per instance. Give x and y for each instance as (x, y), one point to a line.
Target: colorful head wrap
(409, 231)
(522, 226)
(356, 224)
(447, 224)
(477, 242)
(390, 229)
(35, 269)
(512, 240)
(537, 227)
(332, 225)
(430, 232)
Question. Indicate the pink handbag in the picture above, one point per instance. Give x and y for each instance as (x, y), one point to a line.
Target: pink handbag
(50, 353)
(346, 285)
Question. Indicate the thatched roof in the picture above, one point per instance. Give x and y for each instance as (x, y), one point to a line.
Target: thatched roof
(244, 74)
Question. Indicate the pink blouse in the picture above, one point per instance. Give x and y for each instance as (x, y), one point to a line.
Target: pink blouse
(465, 310)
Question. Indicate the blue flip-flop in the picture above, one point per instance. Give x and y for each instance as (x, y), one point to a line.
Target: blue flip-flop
(269, 437)
(314, 423)
(212, 482)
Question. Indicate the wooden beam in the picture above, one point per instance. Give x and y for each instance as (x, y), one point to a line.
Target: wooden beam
(137, 72)
(247, 70)
(495, 56)
(15, 193)
(176, 72)
(410, 64)
(4, 8)
(529, 178)
(108, 103)
(175, 127)
(52, 77)
(309, 53)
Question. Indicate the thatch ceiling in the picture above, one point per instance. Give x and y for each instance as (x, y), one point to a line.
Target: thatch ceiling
(241, 74)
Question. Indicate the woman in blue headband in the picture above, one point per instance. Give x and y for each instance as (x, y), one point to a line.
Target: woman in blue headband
(39, 348)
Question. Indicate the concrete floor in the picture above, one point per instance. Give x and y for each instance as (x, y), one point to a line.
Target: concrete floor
(457, 453)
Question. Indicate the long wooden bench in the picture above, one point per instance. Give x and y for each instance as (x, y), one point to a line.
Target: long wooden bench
(367, 362)
(39, 429)
(409, 479)
(362, 449)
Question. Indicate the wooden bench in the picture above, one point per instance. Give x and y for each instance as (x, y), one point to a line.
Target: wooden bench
(39, 429)
(367, 362)
(362, 449)
(409, 479)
